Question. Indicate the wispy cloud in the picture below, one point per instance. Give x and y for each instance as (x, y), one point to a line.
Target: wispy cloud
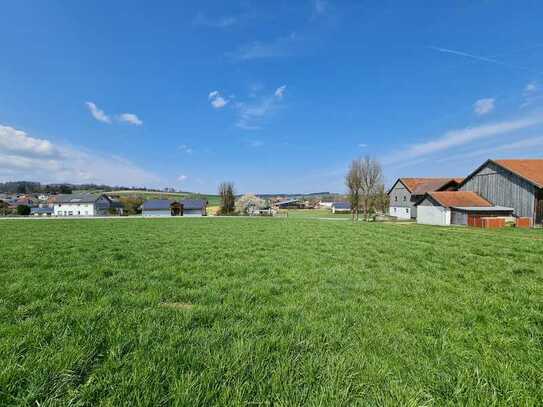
(217, 100)
(130, 118)
(186, 149)
(27, 157)
(281, 46)
(280, 91)
(218, 22)
(182, 178)
(526, 145)
(483, 106)
(467, 55)
(320, 7)
(250, 115)
(456, 138)
(362, 145)
(531, 94)
(97, 113)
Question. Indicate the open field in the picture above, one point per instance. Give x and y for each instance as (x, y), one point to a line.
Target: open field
(268, 311)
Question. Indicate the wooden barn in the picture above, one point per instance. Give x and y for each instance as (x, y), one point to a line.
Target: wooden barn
(510, 183)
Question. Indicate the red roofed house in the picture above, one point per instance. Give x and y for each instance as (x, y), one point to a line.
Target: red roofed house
(406, 192)
(511, 183)
(454, 208)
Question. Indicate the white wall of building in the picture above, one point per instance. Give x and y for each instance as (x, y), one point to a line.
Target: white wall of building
(74, 209)
(401, 212)
(433, 215)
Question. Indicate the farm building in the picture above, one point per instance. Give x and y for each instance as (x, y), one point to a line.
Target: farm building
(341, 207)
(194, 207)
(406, 192)
(290, 204)
(512, 183)
(81, 205)
(161, 208)
(46, 211)
(456, 208)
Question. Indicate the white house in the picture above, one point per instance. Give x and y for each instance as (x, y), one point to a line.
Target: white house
(81, 205)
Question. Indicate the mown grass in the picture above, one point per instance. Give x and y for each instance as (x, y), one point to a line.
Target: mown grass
(268, 311)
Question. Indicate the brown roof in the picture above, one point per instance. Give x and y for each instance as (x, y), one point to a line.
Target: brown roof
(459, 199)
(531, 170)
(420, 186)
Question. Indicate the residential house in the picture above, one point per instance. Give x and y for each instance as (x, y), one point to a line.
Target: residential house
(194, 207)
(406, 192)
(81, 205)
(512, 183)
(456, 207)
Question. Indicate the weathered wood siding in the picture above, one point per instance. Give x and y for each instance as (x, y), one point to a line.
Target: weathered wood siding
(400, 197)
(501, 187)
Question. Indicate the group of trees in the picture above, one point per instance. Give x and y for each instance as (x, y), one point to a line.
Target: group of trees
(365, 186)
(228, 198)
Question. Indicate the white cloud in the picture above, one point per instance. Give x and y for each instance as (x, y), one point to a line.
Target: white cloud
(280, 91)
(362, 145)
(97, 113)
(41, 160)
(530, 87)
(182, 178)
(217, 101)
(130, 118)
(186, 149)
(18, 142)
(455, 138)
(320, 6)
(483, 106)
(281, 46)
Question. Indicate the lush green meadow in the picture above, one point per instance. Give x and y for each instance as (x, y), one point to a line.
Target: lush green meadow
(268, 311)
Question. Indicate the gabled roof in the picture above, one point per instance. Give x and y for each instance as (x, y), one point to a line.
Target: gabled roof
(531, 169)
(193, 204)
(462, 199)
(157, 204)
(78, 198)
(420, 186)
(341, 205)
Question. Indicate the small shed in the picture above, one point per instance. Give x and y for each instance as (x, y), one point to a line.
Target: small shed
(41, 211)
(341, 207)
(456, 208)
(194, 207)
(160, 208)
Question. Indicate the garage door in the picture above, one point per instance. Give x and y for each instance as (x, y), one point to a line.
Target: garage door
(433, 215)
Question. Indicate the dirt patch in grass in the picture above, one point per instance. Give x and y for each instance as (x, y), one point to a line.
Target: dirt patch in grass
(177, 305)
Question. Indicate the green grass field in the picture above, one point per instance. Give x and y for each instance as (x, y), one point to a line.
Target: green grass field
(268, 311)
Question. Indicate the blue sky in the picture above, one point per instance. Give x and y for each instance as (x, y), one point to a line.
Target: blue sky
(275, 96)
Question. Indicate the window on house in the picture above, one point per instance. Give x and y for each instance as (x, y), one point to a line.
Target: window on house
(406, 210)
(404, 198)
(396, 198)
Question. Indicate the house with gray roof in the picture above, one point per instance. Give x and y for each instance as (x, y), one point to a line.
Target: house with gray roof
(81, 205)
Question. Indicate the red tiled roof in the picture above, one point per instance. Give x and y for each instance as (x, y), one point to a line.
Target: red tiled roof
(419, 186)
(459, 199)
(531, 170)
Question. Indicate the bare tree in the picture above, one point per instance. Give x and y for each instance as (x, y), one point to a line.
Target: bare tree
(371, 181)
(353, 181)
(228, 199)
